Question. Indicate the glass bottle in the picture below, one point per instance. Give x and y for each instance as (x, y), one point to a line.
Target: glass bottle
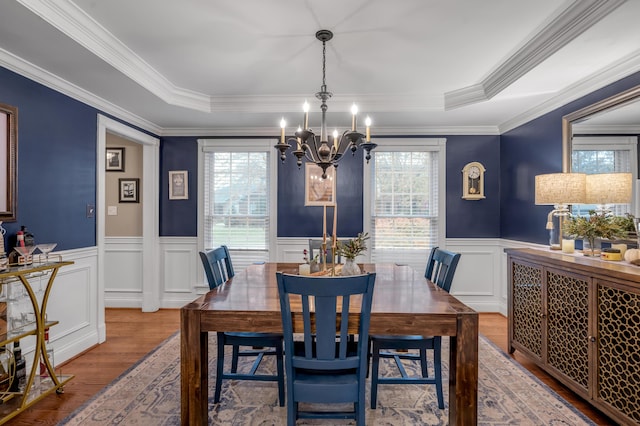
(48, 353)
(20, 379)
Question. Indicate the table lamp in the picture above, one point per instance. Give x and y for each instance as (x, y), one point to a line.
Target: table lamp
(604, 189)
(559, 190)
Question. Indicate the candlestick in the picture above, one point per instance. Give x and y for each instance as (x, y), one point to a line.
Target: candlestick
(335, 139)
(335, 221)
(324, 225)
(299, 139)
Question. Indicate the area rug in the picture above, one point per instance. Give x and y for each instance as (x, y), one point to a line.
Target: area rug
(149, 394)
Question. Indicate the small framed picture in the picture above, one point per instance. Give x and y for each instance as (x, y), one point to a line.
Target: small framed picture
(179, 185)
(129, 190)
(115, 160)
(319, 191)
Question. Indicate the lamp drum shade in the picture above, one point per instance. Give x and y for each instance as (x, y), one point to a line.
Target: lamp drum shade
(609, 188)
(560, 188)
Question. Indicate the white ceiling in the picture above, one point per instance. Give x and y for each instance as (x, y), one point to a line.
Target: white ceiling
(222, 67)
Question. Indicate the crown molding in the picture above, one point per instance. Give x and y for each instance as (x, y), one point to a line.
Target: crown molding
(80, 27)
(339, 103)
(618, 70)
(272, 132)
(569, 23)
(52, 81)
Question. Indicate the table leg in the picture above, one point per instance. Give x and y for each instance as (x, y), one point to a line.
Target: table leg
(194, 372)
(463, 372)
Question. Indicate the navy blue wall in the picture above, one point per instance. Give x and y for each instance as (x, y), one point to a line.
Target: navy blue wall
(56, 163)
(473, 218)
(179, 217)
(532, 149)
(465, 219)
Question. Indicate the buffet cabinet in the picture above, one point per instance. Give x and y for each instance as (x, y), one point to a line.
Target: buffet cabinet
(578, 318)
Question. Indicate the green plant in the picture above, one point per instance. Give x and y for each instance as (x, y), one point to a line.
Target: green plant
(353, 247)
(626, 223)
(596, 225)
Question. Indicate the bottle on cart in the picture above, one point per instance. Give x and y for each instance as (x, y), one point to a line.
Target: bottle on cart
(20, 379)
(48, 353)
(28, 238)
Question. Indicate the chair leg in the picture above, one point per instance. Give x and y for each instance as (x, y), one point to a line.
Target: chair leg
(280, 372)
(234, 358)
(292, 413)
(423, 362)
(437, 362)
(219, 368)
(375, 363)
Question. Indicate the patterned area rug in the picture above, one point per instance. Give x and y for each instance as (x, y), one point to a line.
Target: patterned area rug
(149, 394)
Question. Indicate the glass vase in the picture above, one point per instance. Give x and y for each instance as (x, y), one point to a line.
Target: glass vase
(350, 267)
(592, 248)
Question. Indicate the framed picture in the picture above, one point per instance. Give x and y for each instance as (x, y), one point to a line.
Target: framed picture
(8, 162)
(115, 160)
(178, 185)
(129, 190)
(318, 191)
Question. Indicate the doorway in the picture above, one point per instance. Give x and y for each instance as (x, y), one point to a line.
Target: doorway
(149, 190)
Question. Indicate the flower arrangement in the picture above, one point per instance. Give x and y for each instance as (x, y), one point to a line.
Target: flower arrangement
(353, 247)
(596, 225)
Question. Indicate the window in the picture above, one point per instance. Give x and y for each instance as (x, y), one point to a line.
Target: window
(238, 195)
(604, 154)
(405, 211)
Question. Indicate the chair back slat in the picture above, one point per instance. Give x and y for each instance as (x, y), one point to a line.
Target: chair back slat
(326, 336)
(217, 266)
(441, 267)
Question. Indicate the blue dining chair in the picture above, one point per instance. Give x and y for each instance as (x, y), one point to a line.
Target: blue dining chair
(325, 368)
(219, 269)
(441, 266)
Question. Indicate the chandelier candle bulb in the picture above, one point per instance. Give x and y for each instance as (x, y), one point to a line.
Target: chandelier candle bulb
(283, 124)
(367, 122)
(354, 111)
(305, 108)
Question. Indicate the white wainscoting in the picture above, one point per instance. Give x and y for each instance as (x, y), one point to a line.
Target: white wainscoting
(480, 281)
(73, 302)
(123, 272)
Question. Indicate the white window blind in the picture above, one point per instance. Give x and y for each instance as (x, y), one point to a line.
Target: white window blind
(405, 218)
(236, 203)
(603, 155)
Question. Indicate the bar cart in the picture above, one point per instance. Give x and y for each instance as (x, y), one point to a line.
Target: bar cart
(33, 323)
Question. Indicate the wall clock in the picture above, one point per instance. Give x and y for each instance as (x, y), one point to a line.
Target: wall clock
(473, 181)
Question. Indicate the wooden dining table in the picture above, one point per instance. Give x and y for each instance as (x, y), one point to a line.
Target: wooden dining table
(404, 302)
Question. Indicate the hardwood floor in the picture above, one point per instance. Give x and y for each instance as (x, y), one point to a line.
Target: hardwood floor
(131, 334)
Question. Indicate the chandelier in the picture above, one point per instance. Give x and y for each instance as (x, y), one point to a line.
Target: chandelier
(316, 148)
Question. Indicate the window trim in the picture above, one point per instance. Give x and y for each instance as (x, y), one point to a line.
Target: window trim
(240, 145)
(416, 145)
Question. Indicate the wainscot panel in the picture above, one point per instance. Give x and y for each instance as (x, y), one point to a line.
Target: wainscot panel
(123, 272)
(74, 303)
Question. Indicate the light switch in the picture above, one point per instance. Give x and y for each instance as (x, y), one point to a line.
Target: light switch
(112, 211)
